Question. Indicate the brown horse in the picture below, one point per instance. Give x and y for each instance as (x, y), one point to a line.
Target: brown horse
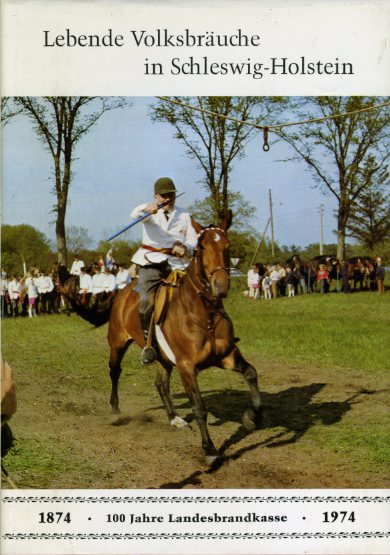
(197, 330)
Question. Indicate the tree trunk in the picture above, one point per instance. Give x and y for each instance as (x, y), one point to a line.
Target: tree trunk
(61, 240)
(60, 224)
(341, 233)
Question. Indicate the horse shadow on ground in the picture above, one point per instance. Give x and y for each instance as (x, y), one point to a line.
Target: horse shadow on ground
(292, 409)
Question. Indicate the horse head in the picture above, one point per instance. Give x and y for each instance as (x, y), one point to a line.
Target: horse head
(212, 257)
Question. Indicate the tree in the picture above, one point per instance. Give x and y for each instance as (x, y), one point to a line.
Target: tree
(77, 238)
(369, 221)
(8, 110)
(24, 245)
(242, 246)
(243, 211)
(60, 122)
(312, 250)
(122, 250)
(336, 150)
(214, 140)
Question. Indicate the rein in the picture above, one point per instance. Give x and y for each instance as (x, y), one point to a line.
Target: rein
(154, 249)
(203, 290)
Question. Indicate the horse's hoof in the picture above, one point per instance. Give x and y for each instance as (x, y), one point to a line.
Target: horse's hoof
(115, 411)
(251, 420)
(210, 459)
(179, 422)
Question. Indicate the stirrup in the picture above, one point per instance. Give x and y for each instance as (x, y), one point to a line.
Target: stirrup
(148, 355)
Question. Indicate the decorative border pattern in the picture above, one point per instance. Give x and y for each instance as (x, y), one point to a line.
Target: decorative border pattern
(200, 536)
(197, 499)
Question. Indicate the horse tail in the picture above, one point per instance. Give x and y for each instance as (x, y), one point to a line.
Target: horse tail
(98, 312)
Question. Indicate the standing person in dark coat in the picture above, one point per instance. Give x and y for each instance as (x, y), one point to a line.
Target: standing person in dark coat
(290, 282)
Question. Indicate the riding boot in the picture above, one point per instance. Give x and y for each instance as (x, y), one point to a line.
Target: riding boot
(148, 354)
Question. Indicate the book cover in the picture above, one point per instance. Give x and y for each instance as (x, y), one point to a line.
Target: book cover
(237, 103)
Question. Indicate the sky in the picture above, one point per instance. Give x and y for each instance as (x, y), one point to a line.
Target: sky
(118, 162)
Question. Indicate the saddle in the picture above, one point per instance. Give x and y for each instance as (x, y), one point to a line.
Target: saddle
(164, 295)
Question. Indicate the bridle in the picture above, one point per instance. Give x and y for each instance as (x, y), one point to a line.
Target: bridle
(205, 290)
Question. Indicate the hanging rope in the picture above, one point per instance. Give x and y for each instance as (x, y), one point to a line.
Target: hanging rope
(276, 127)
(265, 137)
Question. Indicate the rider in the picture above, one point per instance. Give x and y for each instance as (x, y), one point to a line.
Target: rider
(167, 236)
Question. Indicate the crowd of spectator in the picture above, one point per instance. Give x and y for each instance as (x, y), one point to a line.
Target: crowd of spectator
(38, 291)
(287, 280)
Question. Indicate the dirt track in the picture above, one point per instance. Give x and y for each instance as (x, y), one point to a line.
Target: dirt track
(140, 450)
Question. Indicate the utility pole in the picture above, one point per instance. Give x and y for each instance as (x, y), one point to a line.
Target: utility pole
(321, 229)
(272, 224)
(259, 243)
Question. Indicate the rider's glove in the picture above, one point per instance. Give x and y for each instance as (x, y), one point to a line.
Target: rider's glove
(179, 249)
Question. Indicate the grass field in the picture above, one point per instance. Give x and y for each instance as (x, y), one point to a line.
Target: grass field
(323, 367)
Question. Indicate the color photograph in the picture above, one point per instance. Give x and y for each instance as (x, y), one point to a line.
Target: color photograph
(274, 321)
(195, 276)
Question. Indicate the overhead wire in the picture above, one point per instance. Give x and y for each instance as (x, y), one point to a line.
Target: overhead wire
(272, 127)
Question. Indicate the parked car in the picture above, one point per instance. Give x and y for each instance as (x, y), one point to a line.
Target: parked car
(235, 272)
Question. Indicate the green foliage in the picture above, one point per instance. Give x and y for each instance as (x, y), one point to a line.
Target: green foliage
(338, 150)
(242, 246)
(245, 246)
(24, 243)
(313, 250)
(122, 251)
(204, 212)
(369, 221)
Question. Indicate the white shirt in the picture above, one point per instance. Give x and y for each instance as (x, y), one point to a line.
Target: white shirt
(4, 286)
(98, 283)
(109, 282)
(122, 279)
(76, 267)
(45, 284)
(14, 289)
(32, 290)
(160, 233)
(274, 275)
(250, 276)
(85, 284)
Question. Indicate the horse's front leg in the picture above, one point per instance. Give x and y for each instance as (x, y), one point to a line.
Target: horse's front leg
(190, 383)
(235, 361)
(163, 387)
